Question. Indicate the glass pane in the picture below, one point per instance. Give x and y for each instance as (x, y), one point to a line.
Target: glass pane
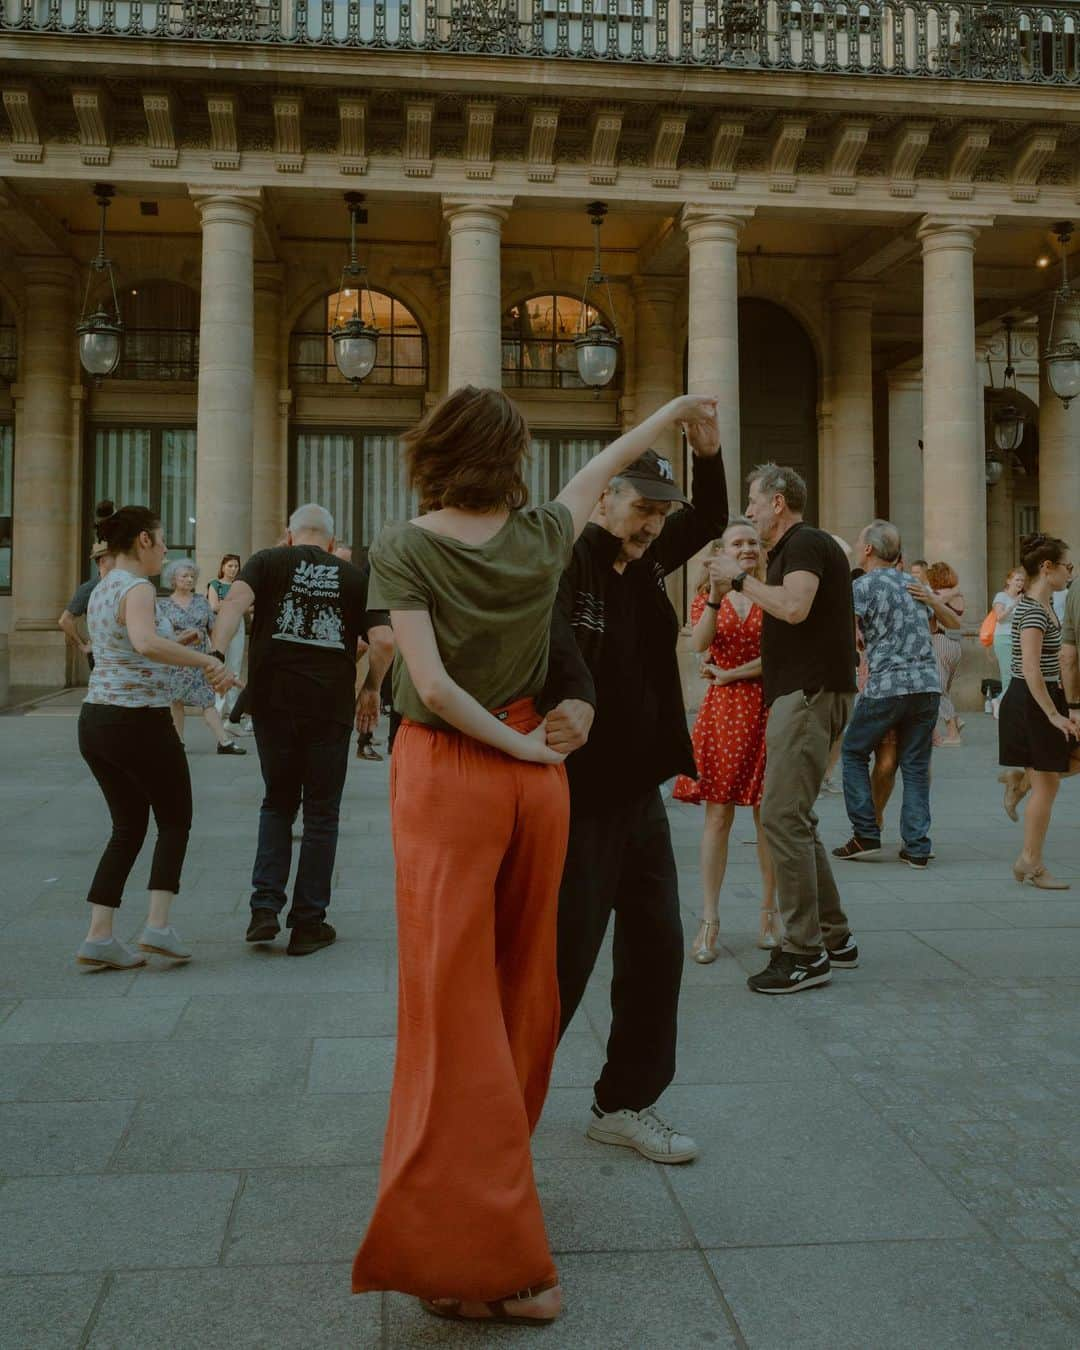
(574, 453)
(311, 353)
(538, 470)
(7, 455)
(386, 494)
(178, 488)
(324, 474)
(122, 465)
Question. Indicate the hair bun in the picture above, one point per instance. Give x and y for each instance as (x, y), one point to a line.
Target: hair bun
(104, 510)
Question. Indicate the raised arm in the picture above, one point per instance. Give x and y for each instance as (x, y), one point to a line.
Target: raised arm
(583, 491)
(419, 649)
(943, 612)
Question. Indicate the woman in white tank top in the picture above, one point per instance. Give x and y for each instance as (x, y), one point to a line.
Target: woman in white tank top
(127, 737)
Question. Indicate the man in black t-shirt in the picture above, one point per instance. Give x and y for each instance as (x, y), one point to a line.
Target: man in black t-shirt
(76, 607)
(310, 613)
(808, 664)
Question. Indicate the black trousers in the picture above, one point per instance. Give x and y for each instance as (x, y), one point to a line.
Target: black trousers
(620, 860)
(140, 766)
(303, 760)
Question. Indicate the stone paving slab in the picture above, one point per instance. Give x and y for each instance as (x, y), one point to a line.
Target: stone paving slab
(108, 1222)
(199, 1145)
(891, 1295)
(289, 1307)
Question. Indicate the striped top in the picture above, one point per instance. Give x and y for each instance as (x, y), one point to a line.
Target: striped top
(1030, 614)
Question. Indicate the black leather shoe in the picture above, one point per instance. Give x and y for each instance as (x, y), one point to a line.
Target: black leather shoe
(230, 748)
(264, 926)
(310, 937)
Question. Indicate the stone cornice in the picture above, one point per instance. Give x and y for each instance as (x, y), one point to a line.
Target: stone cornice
(428, 73)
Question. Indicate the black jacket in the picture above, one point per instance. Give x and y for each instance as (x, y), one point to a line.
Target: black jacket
(578, 625)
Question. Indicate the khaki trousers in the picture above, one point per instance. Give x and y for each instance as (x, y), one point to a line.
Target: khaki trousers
(802, 728)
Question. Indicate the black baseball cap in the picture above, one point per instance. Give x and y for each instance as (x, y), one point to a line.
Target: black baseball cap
(654, 478)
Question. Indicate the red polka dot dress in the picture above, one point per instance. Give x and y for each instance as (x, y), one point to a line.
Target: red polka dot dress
(729, 734)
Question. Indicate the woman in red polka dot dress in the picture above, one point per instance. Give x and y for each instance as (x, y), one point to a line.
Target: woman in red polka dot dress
(729, 735)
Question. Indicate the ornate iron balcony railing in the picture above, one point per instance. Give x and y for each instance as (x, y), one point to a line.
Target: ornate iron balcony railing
(973, 40)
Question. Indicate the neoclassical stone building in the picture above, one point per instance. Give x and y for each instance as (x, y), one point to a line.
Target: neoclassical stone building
(821, 210)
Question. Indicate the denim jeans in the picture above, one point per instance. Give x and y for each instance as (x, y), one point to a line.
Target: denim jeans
(913, 716)
(303, 760)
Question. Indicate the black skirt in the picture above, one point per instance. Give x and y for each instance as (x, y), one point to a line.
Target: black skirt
(1026, 737)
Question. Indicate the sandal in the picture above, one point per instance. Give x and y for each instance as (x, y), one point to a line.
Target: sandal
(1038, 877)
(703, 949)
(772, 931)
(498, 1310)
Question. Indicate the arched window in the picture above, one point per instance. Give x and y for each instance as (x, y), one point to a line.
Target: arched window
(161, 332)
(402, 357)
(538, 342)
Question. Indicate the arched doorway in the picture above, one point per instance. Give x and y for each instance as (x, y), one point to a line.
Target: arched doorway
(778, 394)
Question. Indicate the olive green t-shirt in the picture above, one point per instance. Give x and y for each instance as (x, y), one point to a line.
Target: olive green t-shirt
(490, 604)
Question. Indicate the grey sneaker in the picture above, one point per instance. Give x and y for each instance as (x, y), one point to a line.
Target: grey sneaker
(108, 955)
(164, 942)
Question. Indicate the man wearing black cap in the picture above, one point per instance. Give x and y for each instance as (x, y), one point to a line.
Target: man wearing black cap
(613, 650)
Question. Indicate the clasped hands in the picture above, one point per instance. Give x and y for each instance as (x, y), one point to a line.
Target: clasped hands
(722, 572)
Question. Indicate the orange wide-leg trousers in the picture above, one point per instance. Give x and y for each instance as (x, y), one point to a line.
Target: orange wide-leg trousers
(479, 843)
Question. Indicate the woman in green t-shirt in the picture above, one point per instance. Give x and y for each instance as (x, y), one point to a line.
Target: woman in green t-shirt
(480, 813)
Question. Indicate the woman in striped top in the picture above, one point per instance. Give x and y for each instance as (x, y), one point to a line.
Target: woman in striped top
(1036, 734)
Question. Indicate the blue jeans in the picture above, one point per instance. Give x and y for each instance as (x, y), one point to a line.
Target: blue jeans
(913, 716)
(303, 759)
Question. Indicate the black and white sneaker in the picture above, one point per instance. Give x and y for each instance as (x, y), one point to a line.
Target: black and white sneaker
(846, 956)
(787, 973)
(915, 861)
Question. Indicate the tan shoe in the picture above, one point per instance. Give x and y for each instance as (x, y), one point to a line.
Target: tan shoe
(1035, 874)
(1017, 786)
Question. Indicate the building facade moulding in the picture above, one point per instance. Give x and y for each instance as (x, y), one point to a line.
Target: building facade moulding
(484, 212)
(702, 221)
(239, 205)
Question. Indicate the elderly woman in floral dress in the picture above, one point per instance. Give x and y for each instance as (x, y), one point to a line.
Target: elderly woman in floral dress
(191, 619)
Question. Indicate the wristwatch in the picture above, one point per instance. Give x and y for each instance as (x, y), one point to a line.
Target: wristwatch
(737, 582)
(714, 604)
(218, 656)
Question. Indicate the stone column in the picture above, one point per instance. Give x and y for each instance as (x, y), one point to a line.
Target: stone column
(1059, 447)
(657, 378)
(45, 559)
(269, 487)
(954, 475)
(475, 343)
(905, 458)
(713, 367)
(851, 400)
(223, 493)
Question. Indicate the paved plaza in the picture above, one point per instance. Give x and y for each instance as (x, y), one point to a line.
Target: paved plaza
(189, 1155)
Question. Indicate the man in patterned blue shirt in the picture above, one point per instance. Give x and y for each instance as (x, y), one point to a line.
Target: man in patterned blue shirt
(902, 693)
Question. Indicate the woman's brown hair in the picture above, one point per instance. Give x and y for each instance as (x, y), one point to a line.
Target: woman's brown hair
(941, 576)
(468, 453)
(1035, 549)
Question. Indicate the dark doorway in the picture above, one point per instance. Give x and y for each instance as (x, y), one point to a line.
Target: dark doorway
(778, 393)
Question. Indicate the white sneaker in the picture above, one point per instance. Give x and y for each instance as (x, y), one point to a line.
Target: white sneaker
(644, 1130)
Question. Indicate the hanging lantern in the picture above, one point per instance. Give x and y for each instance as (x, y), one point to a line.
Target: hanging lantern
(596, 345)
(1061, 359)
(994, 469)
(1009, 426)
(100, 333)
(356, 342)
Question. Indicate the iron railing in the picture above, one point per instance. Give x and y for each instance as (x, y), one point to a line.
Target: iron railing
(973, 40)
